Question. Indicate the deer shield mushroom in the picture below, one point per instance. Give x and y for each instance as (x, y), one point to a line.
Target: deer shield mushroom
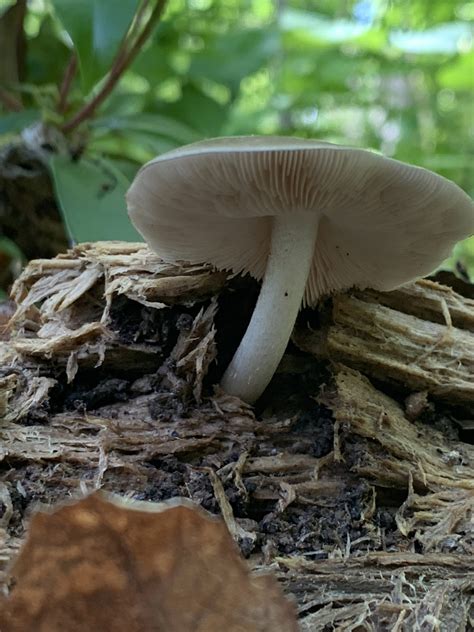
(308, 218)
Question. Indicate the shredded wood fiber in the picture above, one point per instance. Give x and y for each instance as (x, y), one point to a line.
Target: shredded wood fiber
(361, 504)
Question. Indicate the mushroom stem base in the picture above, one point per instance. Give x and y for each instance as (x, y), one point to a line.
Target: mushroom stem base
(281, 295)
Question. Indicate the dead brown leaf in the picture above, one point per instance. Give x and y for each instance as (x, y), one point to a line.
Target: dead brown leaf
(139, 567)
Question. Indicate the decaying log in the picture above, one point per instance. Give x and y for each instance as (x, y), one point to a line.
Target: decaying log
(421, 337)
(353, 487)
(421, 455)
(383, 591)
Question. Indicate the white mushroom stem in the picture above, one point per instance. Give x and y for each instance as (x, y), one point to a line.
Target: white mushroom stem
(264, 343)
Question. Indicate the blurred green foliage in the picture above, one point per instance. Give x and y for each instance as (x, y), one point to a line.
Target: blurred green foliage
(396, 76)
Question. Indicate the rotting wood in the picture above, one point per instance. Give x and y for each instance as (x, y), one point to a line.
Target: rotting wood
(338, 518)
(125, 269)
(420, 452)
(421, 337)
(382, 591)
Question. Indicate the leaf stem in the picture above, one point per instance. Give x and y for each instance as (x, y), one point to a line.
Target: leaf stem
(10, 103)
(121, 63)
(66, 84)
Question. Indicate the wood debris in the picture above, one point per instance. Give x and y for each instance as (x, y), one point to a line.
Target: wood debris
(383, 591)
(421, 336)
(67, 306)
(421, 453)
(353, 481)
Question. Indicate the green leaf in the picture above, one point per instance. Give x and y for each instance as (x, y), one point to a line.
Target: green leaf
(154, 60)
(111, 21)
(198, 110)
(47, 55)
(91, 194)
(140, 137)
(123, 103)
(76, 17)
(14, 122)
(10, 248)
(151, 123)
(96, 28)
(127, 167)
(136, 146)
(230, 57)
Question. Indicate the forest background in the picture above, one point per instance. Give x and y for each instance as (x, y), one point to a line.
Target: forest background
(95, 88)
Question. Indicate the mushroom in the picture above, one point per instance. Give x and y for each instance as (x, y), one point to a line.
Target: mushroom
(309, 218)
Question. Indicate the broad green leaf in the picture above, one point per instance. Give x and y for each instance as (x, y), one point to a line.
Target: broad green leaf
(111, 21)
(96, 28)
(48, 55)
(229, 57)
(151, 123)
(154, 65)
(91, 194)
(10, 248)
(15, 122)
(153, 61)
(123, 103)
(136, 146)
(76, 17)
(127, 167)
(198, 110)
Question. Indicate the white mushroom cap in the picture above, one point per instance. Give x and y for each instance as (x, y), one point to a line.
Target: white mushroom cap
(307, 217)
(381, 222)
